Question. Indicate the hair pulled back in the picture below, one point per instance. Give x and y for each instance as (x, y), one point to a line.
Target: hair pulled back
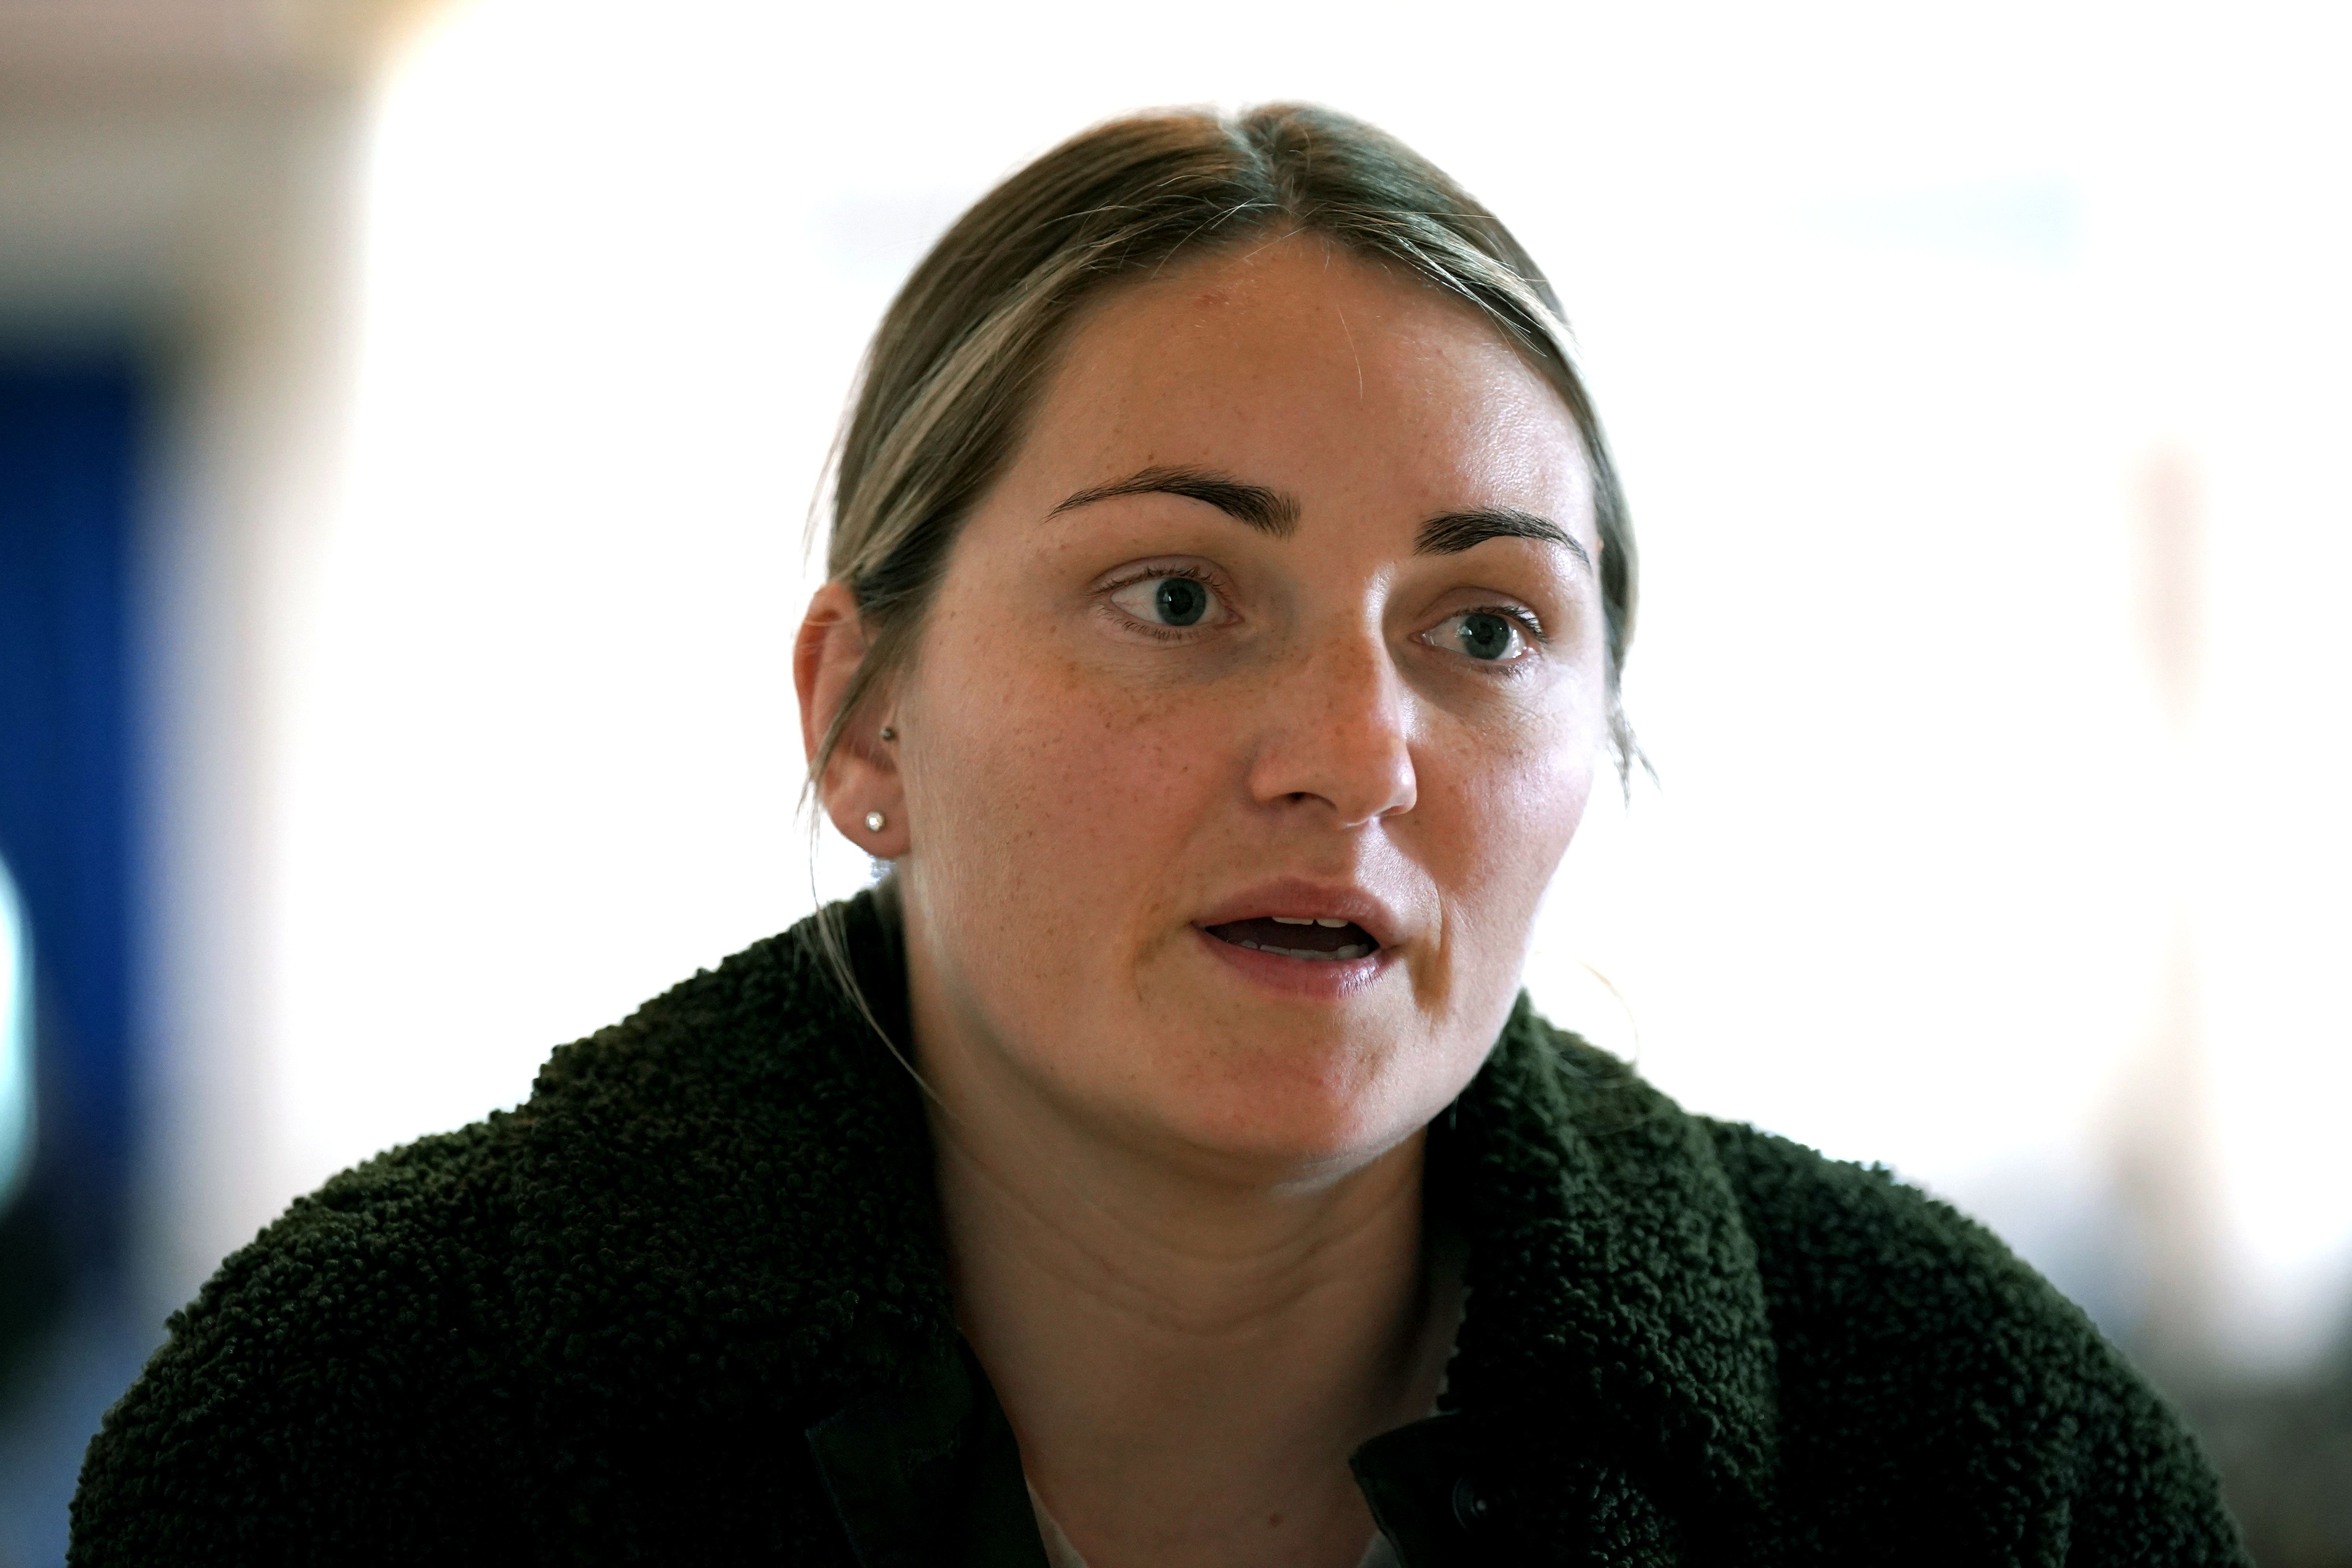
(964, 348)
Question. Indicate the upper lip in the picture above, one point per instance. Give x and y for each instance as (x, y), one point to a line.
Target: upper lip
(1301, 897)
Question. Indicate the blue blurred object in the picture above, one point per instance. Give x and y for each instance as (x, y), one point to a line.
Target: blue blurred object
(69, 464)
(70, 443)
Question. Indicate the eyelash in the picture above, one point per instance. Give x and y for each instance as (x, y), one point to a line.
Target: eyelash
(1524, 619)
(1155, 575)
(1519, 613)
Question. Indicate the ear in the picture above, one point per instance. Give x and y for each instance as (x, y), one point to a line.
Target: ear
(863, 774)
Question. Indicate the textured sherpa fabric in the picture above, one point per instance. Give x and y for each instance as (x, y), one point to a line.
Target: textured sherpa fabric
(597, 1330)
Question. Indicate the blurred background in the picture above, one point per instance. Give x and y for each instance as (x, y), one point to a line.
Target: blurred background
(409, 416)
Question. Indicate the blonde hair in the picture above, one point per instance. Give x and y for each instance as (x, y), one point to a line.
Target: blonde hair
(963, 348)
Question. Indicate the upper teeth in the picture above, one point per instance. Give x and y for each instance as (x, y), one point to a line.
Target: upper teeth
(1308, 921)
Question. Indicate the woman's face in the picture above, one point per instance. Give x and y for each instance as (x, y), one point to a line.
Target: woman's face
(1258, 702)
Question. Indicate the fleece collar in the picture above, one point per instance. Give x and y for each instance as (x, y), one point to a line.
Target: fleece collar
(734, 1191)
(1616, 1329)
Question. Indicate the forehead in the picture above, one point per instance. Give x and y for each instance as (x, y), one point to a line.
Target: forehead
(1293, 363)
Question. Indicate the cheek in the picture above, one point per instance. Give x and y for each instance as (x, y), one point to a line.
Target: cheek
(1501, 809)
(1033, 787)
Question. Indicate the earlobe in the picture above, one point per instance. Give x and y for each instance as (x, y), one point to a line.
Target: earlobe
(879, 830)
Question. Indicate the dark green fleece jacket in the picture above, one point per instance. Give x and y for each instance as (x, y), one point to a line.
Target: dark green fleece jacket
(688, 1304)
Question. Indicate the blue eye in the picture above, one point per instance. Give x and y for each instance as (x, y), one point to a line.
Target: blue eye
(1486, 636)
(1179, 602)
(1176, 603)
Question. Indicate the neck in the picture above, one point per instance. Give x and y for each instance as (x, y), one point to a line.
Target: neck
(1187, 1353)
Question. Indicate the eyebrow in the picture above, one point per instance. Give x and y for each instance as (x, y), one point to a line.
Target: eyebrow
(1456, 532)
(1270, 512)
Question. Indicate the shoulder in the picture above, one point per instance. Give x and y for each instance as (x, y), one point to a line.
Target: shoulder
(1832, 1236)
(330, 1345)
(1921, 1392)
(1910, 1340)
(372, 1378)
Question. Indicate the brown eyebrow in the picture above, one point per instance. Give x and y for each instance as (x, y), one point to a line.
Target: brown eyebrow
(1268, 512)
(1456, 532)
(1272, 512)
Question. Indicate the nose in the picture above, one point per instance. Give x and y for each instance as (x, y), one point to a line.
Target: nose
(1338, 734)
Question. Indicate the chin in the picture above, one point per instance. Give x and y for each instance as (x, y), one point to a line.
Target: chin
(1294, 1104)
(1282, 1076)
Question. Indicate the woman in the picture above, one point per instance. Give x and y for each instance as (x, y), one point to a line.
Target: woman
(1228, 589)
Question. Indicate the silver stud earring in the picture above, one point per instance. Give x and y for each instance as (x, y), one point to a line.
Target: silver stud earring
(888, 734)
(874, 821)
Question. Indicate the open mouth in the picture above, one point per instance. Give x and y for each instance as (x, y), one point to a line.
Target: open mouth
(1323, 940)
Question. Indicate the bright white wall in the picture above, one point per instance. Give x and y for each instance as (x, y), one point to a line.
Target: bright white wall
(1891, 314)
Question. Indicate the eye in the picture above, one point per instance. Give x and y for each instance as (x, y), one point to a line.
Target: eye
(1175, 602)
(1490, 637)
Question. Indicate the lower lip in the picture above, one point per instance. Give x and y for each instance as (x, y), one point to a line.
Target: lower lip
(1328, 979)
